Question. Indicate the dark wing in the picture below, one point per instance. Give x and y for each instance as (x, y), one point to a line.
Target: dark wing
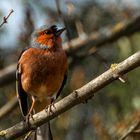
(21, 94)
(63, 83)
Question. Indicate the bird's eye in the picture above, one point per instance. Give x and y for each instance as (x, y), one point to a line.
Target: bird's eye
(48, 32)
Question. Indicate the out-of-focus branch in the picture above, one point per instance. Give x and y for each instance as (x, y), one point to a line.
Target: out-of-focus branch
(94, 39)
(8, 107)
(7, 75)
(76, 97)
(5, 18)
(130, 130)
(99, 39)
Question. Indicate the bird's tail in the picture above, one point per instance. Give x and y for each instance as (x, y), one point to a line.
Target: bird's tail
(42, 133)
(45, 131)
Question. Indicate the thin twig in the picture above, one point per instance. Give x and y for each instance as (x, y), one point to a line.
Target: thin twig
(76, 97)
(5, 18)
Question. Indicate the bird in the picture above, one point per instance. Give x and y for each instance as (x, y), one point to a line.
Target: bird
(41, 70)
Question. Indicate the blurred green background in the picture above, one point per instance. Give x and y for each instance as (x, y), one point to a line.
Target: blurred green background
(114, 108)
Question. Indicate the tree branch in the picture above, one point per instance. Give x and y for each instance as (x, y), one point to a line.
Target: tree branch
(76, 97)
(8, 74)
(5, 18)
(8, 107)
(130, 130)
(99, 39)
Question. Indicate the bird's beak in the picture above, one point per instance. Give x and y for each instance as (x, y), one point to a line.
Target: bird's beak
(59, 31)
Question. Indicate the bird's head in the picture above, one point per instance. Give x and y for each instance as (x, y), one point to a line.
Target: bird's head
(48, 37)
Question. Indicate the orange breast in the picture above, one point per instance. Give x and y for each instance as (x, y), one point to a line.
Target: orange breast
(42, 71)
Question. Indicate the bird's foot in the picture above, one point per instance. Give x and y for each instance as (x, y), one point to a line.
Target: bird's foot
(49, 108)
(27, 118)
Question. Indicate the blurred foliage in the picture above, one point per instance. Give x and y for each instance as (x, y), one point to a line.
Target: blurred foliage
(105, 116)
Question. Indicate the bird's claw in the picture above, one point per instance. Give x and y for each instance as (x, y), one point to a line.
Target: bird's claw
(27, 118)
(49, 108)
